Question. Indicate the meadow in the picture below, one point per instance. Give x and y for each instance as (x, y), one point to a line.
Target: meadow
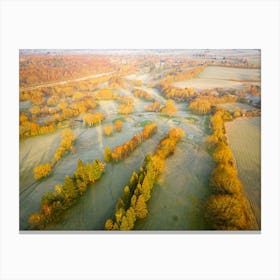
(222, 77)
(133, 91)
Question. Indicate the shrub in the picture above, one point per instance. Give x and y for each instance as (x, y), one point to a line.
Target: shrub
(118, 125)
(225, 212)
(42, 170)
(108, 130)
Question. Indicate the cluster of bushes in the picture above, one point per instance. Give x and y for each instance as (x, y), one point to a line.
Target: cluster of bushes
(84, 105)
(142, 94)
(42, 170)
(32, 128)
(125, 109)
(169, 108)
(155, 107)
(178, 94)
(90, 119)
(202, 105)
(56, 111)
(133, 204)
(227, 208)
(117, 83)
(109, 129)
(67, 138)
(184, 75)
(53, 204)
(118, 125)
(136, 83)
(122, 151)
(105, 94)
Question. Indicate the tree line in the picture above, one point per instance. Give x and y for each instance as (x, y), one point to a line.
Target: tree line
(227, 208)
(202, 105)
(67, 139)
(142, 94)
(133, 203)
(55, 203)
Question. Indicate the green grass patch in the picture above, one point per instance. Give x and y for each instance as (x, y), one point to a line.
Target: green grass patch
(143, 123)
(191, 119)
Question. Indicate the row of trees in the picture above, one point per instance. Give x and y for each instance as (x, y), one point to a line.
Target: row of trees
(125, 109)
(142, 94)
(122, 151)
(53, 204)
(202, 105)
(154, 107)
(183, 75)
(178, 94)
(67, 139)
(227, 208)
(31, 128)
(105, 93)
(116, 83)
(169, 108)
(133, 203)
(91, 119)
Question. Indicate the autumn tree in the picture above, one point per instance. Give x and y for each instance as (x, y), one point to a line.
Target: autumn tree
(155, 107)
(108, 130)
(141, 208)
(42, 170)
(36, 220)
(125, 109)
(225, 212)
(109, 224)
(118, 125)
(107, 154)
(176, 132)
(200, 106)
(170, 108)
(223, 154)
(131, 217)
(224, 180)
(124, 223)
(93, 119)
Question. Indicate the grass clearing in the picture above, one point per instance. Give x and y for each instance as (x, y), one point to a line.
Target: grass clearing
(222, 77)
(231, 106)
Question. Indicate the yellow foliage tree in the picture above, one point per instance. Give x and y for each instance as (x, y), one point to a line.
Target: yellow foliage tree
(141, 208)
(170, 108)
(42, 170)
(108, 130)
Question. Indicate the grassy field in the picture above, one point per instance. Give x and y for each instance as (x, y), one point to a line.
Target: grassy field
(179, 194)
(245, 141)
(98, 204)
(231, 106)
(225, 77)
(230, 73)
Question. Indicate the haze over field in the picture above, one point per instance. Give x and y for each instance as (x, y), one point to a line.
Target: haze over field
(139, 139)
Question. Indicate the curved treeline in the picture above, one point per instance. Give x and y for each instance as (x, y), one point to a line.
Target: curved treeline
(133, 203)
(53, 204)
(227, 208)
(68, 137)
(124, 150)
